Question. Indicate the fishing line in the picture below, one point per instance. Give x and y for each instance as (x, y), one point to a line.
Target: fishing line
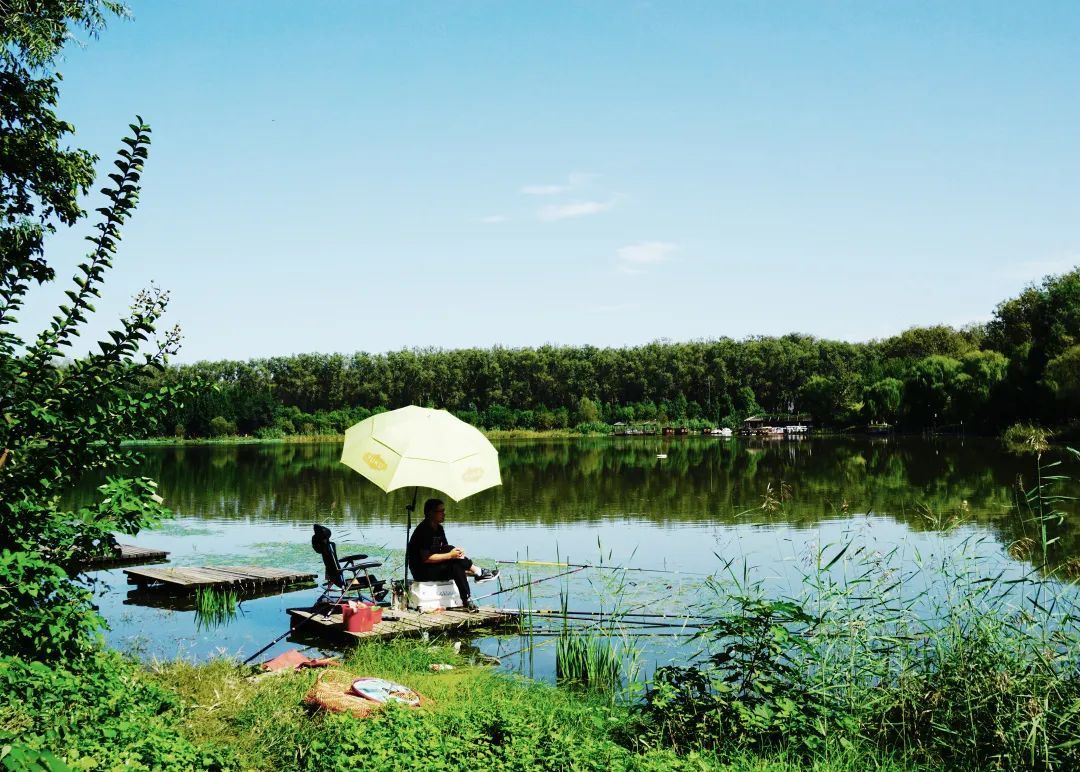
(603, 568)
(613, 614)
(526, 584)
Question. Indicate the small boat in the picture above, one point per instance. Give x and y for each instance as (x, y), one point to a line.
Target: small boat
(661, 455)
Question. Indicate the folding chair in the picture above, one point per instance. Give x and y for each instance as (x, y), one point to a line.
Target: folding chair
(351, 575)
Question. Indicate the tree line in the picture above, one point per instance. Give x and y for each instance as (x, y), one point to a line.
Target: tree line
(1023, 365)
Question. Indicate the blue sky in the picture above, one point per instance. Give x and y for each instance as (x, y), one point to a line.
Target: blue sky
(344, 176)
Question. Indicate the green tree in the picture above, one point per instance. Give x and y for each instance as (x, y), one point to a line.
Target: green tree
(1063, 377)
(587, 411)
(976, 385)
(881, 401)
(821, 397)
(62, 419)
(929, 389)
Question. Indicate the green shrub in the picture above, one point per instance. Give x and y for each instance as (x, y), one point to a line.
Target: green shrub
(222, 427)
(754, 691)
(1026, 438)
(102, 715)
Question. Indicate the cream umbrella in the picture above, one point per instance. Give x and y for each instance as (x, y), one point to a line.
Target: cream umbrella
(420, 447)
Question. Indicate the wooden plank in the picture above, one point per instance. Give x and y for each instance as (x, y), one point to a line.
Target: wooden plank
(407, 622)
(126, 554)
(194, 577)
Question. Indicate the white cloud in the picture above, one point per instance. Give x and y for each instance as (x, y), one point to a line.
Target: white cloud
(493, 218)
(633, 257)
(573, 180)
(544, 190)
(573, 209)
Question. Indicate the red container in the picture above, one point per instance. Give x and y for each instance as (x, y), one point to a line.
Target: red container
(376, 613)
(358, 618)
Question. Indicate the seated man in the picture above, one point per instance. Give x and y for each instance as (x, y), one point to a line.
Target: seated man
(432, 559)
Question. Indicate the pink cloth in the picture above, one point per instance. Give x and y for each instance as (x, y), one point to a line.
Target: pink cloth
(294, 660)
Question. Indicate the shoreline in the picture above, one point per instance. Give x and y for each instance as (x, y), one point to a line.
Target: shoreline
(540, 434)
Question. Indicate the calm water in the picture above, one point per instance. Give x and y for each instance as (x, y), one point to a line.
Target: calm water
(773, 504)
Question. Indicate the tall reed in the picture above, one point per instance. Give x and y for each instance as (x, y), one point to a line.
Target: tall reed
(961, 659)
(214, 608)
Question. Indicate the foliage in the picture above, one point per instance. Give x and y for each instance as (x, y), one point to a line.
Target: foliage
(754, 690)
(103, 714)
(1063, 378)
(478, 719)
(882, 400)
(214, 608)
(953, 664)
(962, 376)
(1031, 330)
(589, 661)
(1026, 438)
(62, 419)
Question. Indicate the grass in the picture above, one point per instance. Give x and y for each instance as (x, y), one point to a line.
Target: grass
(214, 608)
(962, 660)
(479, 717)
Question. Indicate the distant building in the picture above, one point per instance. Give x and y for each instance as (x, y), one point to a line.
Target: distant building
(784, 423)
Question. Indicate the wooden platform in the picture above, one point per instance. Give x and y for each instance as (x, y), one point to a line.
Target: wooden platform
(127, 554)
(397, 623)
(240, 578)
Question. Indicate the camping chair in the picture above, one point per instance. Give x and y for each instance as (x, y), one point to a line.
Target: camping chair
(350, 574)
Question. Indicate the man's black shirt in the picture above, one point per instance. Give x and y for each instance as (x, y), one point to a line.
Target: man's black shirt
(427, 539)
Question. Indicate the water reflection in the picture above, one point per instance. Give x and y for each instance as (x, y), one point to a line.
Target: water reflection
(776, 504)
(702, 481)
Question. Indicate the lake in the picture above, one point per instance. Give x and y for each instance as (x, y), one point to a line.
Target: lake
(774, 506)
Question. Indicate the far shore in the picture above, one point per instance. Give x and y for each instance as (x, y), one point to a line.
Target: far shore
(493, 434)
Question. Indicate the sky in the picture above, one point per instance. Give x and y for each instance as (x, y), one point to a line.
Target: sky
(368, 176)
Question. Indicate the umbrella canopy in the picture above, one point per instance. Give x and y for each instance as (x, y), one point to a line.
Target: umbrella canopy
(420, 447)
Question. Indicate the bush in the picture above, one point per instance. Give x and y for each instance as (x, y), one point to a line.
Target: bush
(753, 692)
(222, 427)
(102, 715)
(1026, 438)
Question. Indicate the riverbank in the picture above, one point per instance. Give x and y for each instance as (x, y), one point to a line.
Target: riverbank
(492, 434)
(113, 714)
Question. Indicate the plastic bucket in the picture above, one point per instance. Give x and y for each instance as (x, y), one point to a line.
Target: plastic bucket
(376, 613)
(358, 618)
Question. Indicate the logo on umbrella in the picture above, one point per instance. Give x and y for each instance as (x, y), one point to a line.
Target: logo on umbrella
(472, 474)
(375, 461)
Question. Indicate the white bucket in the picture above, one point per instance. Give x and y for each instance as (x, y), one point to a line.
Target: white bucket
(428, 596)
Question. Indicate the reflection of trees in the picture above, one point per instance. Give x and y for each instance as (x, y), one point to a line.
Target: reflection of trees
(597, 480)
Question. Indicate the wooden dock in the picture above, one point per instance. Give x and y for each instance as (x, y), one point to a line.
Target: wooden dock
(127, 554)
(239, 578)
(398, 623)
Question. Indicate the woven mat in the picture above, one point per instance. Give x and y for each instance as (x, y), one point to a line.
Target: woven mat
(332, 691)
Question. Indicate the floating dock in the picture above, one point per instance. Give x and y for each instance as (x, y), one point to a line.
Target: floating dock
(396, 623)
(239, 578)
(127, 554)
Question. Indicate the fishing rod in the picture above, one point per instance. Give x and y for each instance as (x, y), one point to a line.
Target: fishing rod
(624, 623)
(294, 629)
(588, 634)
(612, 614)
(593, 565)
(527, 584)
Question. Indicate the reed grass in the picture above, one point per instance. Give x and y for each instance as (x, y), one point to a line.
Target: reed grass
(214, 608)
(964, 659)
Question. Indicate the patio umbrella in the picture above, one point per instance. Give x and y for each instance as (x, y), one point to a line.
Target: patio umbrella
(419, 447)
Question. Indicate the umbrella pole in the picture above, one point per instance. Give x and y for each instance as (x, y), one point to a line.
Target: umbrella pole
(409, 509)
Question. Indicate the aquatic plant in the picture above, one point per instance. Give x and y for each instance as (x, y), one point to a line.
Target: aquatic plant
(591, 661)
(214, 608)
(963, 660)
